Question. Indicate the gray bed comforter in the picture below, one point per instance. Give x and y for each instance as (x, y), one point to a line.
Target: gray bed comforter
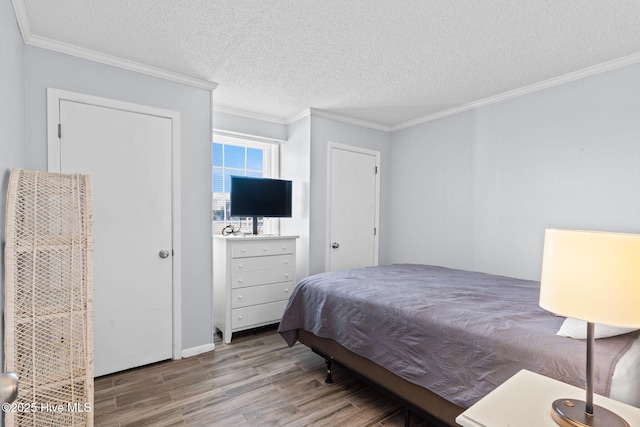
(457, 333)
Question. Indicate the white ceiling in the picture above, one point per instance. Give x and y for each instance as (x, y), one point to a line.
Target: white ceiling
(382, 61)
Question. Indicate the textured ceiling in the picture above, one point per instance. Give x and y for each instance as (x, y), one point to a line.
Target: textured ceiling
(383, 61)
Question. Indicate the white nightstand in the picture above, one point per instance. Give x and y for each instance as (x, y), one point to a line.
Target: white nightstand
(525, 400)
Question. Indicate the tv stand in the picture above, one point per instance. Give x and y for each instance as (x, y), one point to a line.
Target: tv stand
(255, 225)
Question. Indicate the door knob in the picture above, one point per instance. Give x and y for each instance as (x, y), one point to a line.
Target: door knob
(164, 253)
(335, 245)
(8, 387)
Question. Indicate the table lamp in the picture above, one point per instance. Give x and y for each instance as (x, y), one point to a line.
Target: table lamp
(595, 277)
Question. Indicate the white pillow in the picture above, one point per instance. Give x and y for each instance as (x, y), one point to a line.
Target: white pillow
(574, 328)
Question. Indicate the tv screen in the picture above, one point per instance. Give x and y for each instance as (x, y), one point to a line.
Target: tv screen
(260, 197)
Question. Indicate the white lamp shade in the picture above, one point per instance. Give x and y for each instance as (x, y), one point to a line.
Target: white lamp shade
(593, 276)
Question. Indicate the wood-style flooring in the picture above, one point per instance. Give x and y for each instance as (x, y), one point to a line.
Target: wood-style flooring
(257, 380)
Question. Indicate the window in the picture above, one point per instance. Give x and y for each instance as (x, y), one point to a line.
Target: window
(239, 157)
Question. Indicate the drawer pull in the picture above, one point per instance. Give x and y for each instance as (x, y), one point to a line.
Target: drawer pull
(284, 248)
(286, 275)
(243, 250)
(240, 317)
(286, 290)
(239, 296)
(286, 262)
(240, 265)
(239, 280)
(264, 249)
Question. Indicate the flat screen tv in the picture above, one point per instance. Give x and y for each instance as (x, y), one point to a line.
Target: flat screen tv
(260, 197)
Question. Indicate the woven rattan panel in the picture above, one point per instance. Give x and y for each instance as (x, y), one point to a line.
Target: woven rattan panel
(48, 298)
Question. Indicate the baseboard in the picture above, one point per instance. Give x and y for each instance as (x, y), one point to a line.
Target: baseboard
(194, 351)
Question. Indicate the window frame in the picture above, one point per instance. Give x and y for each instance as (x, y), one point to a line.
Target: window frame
(271, 169)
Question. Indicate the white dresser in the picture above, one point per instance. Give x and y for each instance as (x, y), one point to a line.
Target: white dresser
(253, 277)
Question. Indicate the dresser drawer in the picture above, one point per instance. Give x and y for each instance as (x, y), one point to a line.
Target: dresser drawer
(261, 263)
(243, 279)
(263, 314)
(255, 248)
(253, 295)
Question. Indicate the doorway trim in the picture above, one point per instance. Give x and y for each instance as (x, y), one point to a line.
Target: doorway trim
(330, 146)
(54, 96)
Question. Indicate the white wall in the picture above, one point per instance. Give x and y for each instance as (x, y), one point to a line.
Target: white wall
(295, 156)
(51, 69)
(12, 124)
(323, 131)
(492, 179)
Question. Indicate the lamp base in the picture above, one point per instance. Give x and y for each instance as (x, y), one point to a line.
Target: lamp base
(572, 413)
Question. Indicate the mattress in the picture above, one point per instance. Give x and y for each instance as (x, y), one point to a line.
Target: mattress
(457, 333)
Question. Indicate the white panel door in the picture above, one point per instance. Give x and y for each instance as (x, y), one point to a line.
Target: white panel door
(128, 155)
(353, 206)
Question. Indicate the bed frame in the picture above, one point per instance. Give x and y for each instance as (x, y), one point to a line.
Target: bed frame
(419, 400)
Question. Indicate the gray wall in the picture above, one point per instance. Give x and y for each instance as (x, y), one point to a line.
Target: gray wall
(45, 69)
(489, 181)
(432, 198)
(12, 124)
(323, 131)
(249, 126)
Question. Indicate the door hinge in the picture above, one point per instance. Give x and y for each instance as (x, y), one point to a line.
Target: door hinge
(59, 130)
(376, 171)
(375, 231)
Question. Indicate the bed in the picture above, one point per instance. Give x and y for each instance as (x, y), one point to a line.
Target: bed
(440, 339)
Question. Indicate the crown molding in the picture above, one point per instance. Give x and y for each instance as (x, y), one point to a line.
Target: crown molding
(22, 17)
(555, 81)
(24, 26)
(103, 58)
(301, 115)
(245, 136)
(340, 118)
(250, 115)
(42, 42)
(304, 113)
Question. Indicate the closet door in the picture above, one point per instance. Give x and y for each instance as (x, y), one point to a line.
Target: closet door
(128, 155)
(353, 205)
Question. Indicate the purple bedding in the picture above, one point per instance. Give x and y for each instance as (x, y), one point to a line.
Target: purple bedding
(457, 333)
